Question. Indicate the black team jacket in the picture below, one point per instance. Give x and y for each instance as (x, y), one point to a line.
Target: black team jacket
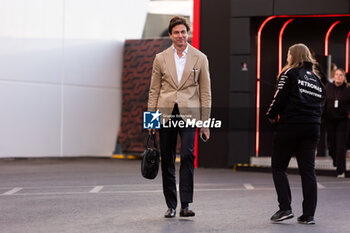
(298, 98)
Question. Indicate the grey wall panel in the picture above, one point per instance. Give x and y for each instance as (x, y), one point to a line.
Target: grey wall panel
(251, 8)
(60, 74)
(240, 36)
(311, 7)
(239, 76)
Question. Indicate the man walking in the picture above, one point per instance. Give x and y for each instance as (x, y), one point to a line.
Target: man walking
(180, 90)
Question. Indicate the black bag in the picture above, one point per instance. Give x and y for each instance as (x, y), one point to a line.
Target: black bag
(150, 159)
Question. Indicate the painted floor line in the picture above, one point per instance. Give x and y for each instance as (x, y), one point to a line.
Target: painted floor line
(96, 189)
(320, 186)
(12, 191)
(137, 191)
(248, 186)
(196, 185)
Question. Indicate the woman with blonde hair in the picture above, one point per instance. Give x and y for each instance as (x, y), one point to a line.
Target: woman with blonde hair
(337, 108)
(297, 105)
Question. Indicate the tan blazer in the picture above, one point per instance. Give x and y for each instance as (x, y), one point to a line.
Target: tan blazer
(193, 94)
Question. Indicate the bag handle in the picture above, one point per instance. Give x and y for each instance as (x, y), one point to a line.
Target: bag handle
(154, 140)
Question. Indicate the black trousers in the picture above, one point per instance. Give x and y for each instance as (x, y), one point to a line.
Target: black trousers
(299, 140)
(337, 134)
(321, 146)
(348, 134)
(168, 140)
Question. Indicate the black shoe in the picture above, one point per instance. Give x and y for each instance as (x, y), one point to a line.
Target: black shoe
(186, 212)
(282, 215)
(170, 213)
(306, 219)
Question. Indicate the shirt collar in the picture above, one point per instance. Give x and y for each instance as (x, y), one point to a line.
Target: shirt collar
(184, 52)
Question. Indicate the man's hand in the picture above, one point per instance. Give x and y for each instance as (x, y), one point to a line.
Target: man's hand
(151, 131)
(205, 131)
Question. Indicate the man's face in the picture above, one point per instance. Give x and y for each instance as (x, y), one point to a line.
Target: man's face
(179, 35)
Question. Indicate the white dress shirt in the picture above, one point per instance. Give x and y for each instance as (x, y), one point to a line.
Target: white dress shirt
(180, 63)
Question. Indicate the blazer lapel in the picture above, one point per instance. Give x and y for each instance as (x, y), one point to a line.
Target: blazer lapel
(170, 63)
(191, 60)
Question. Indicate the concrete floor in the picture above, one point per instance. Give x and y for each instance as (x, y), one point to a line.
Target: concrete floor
(109, 195)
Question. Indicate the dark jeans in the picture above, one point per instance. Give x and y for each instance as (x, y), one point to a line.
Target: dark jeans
(299, 140)
(337, 134)
(168, 140)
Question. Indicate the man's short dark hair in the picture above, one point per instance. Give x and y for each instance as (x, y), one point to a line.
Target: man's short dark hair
(177, 20)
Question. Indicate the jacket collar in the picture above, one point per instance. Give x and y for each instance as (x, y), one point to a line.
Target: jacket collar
(191, 61)
(308, 64)
(184, 52)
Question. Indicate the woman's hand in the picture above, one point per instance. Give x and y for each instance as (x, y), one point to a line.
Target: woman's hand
(272, 121)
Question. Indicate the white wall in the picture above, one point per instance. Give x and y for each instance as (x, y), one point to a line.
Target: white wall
(60, 74)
